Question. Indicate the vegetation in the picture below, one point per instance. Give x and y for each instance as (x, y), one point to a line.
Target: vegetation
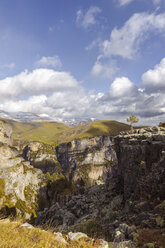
(55, 133)
(132, 119)
(47, 132)
(2, 187)
(162, 124)
(13, 236)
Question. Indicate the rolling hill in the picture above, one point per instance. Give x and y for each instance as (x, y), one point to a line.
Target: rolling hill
(54, 132)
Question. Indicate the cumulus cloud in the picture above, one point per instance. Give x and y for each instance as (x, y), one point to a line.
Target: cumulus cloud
(126, 41)
(49, 61)
(59, 96)
(104, 70)
(89, 18)
(154, 80)
(122, 87)
(39, 81)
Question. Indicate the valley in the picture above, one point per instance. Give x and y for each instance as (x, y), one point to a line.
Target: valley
(100, 182)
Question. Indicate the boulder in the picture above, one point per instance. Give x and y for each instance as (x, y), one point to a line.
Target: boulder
(27, 225)
(76, 236)
(59, 237)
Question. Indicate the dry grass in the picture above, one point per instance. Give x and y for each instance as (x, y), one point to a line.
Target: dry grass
(11, 236)
(55, 133)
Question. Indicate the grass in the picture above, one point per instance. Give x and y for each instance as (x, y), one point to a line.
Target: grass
(46, 132)
(55, 133)
(11, 236)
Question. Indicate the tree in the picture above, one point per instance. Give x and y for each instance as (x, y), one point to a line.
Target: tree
(132, 119)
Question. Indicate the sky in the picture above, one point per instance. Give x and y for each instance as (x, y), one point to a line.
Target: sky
(82, 59)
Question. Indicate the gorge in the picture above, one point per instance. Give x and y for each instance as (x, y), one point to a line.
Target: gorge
(108, 187)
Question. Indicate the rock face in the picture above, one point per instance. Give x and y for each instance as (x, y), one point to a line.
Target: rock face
(19, 181)
(42, 156)
(134, 195)
(87, 161)
(89, 210)
(120, 180)
(5, 133)
(141, 162)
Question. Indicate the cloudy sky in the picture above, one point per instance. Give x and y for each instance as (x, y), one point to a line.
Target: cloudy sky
(102, 59)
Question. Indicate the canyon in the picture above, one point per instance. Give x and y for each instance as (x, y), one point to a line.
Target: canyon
(109, 187)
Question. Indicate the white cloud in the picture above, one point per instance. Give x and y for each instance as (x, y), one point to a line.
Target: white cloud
(124, 2)
(122, 87)
(126, 41)
(89, 18)
(104, 70)
(58, 96)
(93, 44)
(53, 61)
(154, 80)
(39, 81)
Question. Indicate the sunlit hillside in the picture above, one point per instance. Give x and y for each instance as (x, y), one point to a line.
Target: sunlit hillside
(54, 132)
(47, 132)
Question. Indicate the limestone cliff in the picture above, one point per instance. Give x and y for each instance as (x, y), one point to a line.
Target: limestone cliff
(42, 156)
(5, 133)
(19, 181)
(134, 195)
(141, 162)
(87, 161)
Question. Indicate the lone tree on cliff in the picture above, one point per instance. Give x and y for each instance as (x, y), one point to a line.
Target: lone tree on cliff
(132, 119)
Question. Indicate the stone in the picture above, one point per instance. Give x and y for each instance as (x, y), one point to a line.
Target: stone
(27, 225)
(76, 236)
(59, 237)
(119, 236)
(6, 133)
(42, 156)
(88, 161)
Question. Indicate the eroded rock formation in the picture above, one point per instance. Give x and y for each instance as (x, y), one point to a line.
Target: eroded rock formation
(87, 161)
(19, 181)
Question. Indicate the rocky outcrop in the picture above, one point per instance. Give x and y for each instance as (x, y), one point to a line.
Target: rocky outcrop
(141, 162)
(87, 161)
(134, 195)
(89, 210)
(5, 133)
(19, 181)
(42, 156)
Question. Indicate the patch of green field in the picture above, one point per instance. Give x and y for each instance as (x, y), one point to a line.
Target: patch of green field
(46, 132)
(55, 133)
(92, 129)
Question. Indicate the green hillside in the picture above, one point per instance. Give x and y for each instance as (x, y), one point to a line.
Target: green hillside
(92, 129)
(53, 132)
(47, 132)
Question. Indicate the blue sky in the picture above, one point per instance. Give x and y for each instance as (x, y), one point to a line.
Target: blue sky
(108, 55)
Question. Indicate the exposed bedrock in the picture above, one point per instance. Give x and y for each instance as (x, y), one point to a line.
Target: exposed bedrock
(19, 181)
(88, 161)
(134, 195)
(6, 133)
(141, 162)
